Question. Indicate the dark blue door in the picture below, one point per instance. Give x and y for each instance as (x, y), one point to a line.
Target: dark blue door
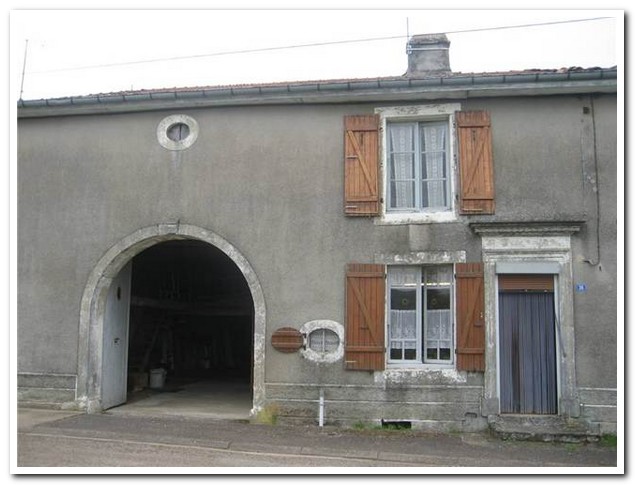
(528, 353)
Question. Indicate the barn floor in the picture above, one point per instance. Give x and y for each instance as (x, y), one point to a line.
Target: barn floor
(195, 398)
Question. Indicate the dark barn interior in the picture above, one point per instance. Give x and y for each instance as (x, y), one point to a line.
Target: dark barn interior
(191, 314)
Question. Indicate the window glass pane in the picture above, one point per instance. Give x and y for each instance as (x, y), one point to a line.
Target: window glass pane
(402, 166)
(331, 340)
(402, 195)
(438, 299)
(403, 299)
(438, 276)
(437, 320)
(445, 344)
(445, 332)
(437, 281)
(323, 340)
(433, 136)
(403, 319)
(433, 194)
(433, 165)
(432, 327)
(404, 276)
(401, 137)
(403, 324)
(410, 354)
(396, 351)
(401, 148)
(438, 333)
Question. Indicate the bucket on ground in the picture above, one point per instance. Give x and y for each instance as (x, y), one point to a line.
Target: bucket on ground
(157, 378)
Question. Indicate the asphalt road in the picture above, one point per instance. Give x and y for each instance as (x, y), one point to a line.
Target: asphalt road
(64, 451)
(63, 440)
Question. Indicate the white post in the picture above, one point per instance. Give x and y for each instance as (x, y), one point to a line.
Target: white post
(321, 418)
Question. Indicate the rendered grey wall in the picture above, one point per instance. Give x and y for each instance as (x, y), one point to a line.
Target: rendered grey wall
(270, 181)
(596, 267)
(597, 306)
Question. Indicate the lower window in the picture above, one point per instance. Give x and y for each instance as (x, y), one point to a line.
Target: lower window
(420, 318)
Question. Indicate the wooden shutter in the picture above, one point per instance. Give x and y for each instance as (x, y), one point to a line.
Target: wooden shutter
(470, 309)
(361, 159)
(287, 340)
(475, 162)
(365, 296)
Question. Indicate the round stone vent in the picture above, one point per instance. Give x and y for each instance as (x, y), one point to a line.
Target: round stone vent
(177, 132)
(287, 340)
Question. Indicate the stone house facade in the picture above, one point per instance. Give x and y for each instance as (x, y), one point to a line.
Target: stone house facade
(437, 249)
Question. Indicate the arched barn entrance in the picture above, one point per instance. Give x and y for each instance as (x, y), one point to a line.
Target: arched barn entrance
(191, 327)
(172, 323)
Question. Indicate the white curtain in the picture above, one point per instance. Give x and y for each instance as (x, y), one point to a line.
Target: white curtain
(403, 323)
(402, 175)
(433, 187)
(403, 331)
(404, 275)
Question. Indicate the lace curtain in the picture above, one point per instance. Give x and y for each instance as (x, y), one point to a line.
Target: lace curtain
(431, 172)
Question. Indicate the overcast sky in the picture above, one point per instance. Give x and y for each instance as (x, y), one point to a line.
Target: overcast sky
(91, 51)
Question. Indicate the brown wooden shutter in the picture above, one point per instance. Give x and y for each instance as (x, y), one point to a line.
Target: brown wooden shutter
(470, 308)
(287, 339)
(475, 162)
(361, 159)
(365, 296)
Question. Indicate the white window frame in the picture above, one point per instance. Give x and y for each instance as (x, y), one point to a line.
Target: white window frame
(418, 113)
(421, 302)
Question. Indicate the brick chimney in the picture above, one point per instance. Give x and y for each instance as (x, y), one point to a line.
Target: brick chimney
(428, 54)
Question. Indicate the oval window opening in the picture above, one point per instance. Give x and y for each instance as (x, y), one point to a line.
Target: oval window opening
(323, 341)
(178, 132)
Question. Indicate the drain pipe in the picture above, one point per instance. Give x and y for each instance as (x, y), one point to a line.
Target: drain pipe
(321, 413)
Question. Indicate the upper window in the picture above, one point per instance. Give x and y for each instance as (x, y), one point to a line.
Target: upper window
(418, 176)
(418, 164)
(417, 172)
